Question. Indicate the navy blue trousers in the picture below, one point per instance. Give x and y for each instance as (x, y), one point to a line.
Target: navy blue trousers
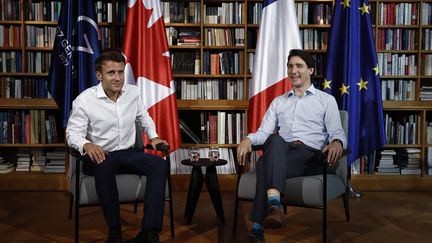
(132, 162)
(281, 160)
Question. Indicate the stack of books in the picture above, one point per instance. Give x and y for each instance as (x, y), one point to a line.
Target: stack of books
(55, 162)
(5, 166)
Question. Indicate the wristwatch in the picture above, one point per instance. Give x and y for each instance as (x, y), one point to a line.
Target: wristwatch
(337, 140)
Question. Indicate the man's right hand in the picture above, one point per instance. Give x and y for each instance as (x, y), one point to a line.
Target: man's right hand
(95, 152)
(243, 150)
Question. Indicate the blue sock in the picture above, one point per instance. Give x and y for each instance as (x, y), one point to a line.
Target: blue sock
(274, 200)
(258, 231)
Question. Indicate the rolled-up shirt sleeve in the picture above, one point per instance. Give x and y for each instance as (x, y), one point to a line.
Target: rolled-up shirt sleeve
(333, 123)
(267, 127)
(76, 129)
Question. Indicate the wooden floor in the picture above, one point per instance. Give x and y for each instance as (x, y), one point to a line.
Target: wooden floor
(376, 217)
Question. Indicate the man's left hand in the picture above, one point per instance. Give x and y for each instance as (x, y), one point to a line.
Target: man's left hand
(155, 141)
(334, 152)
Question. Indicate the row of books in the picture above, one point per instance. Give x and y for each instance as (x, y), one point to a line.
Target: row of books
(426, 93)
(252, 37)
(183, 37)
(224, 13)
(397, 64)
(224, 37)
(40, 36)
(38, 62)
(181, 12)
(397, 14)
(308, 13)
(105, 37)
(9, 10)
(181, 154)
(226, 62)
(427, 64)
(397, 39)
(185, 62)
(210, 89)
(42, 10)
(17, 88)
(28, 127)
(314, 39)
(426, 11)
(103, 11)
(254, 13)
(34, 160)
(402, 129)
(10, 61)
(399, 162)
(427, 39)
(398, 90)
(219, 127)
(429, 133)
(10, 36)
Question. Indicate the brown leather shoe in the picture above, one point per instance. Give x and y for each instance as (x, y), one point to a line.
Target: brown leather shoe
(274, 218)
(251, 238)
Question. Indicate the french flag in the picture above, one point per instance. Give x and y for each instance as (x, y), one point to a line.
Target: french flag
(278, 34)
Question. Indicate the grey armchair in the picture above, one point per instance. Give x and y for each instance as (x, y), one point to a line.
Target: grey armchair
(304, 191)
(131, 187)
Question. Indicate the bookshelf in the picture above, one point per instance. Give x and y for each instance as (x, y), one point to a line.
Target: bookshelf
(27, 37)
(192, 28)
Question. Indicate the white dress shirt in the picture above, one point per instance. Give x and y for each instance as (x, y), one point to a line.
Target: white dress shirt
(97, 119)
(313, 119)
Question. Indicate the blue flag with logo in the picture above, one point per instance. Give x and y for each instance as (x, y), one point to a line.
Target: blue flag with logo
(352, 76)
(76, 47)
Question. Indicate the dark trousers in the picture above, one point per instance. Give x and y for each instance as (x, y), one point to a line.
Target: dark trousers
(130, 161)
(281, 160)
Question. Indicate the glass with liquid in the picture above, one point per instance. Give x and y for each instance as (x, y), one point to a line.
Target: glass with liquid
(194, 154)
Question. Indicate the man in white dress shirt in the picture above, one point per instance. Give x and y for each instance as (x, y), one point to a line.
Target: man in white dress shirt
(306, 120)
(102, 126)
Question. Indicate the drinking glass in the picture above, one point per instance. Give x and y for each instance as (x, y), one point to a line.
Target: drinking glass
(213, 154)
(194, 154)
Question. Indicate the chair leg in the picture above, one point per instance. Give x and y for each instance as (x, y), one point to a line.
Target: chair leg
(71, 200)
(325, 203)
(285, 208)
(76, 221)
(345, 198)
(135, 207)
(234, 230)
(170, 204)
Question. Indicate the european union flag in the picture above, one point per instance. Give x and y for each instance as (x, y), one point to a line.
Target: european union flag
(352, 76)
(75, 48)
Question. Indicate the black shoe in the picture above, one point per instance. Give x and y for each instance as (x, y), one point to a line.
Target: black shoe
(147, 236)
(114, 236)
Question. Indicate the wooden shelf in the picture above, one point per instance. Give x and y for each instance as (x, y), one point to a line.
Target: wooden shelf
(183, 25)
(185, 47)
(19, 145)
(223, 25)
(188, 145)
(10, 22)
(402, 146)
(398, 26)
(212, 104)
(36, 48)
(407, 105)
(21, 74)
(28, 104)
(43, 23)
(208, 75)
(224, 47)
(11, 48)
(314, 26)
(33, 181)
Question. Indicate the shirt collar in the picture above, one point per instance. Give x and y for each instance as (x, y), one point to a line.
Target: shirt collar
(100, 93)
(310, 90)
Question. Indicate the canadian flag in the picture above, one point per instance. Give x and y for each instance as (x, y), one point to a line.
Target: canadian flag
(148, 66)
(278, 34)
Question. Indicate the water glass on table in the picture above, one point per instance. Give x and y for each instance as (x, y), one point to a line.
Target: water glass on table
(213, 154)
(194, 154)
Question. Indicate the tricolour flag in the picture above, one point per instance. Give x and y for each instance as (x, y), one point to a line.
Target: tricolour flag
(352, 76)
(148, 66)
(76, 47)
(278, 34)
